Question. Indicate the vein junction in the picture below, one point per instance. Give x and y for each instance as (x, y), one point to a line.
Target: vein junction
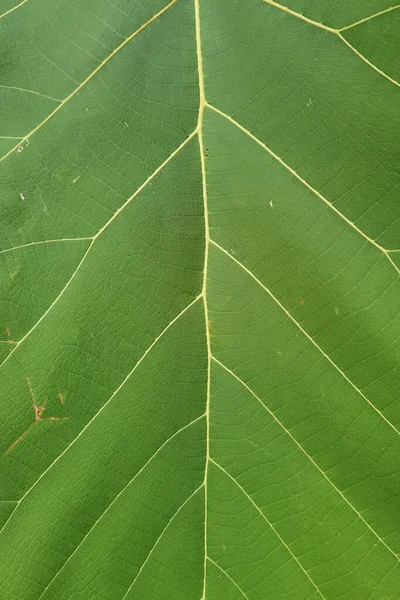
(326, 27)
(338, 32)
(203, 297)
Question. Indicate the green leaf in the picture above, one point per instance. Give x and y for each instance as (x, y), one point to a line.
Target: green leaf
(199, 293)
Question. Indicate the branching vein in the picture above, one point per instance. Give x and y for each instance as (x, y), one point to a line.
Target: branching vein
(137, 364)
(304, 182)
(326, 27)
(152, 457)
(282, 541)
(307, 335)
(203, 296)
(228, 576)
(92, 74)
(378, 14)
(41, 242)
(93, 240)
(13, 8)
(300, 16)
(160, 536)
(337, 32)
(310, 458)
(11, 87)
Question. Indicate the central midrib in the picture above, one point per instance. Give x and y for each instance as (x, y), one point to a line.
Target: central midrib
(202, 104)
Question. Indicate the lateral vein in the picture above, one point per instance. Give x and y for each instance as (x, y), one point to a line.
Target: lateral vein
(228, 576)
(41, 242)
(300, 16)
(270, 525)
(378, 14)
(305, 453)
(337, 32)
(92, 74)
(137, 364)
(12, 9)
(141, 187)
(159, 449)
(307, 335)
(160, 536)
(93, 240)
(368, 62)
(19, 89)
(305, 183)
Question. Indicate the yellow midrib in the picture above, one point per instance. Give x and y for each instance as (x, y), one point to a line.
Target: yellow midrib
(199, 129)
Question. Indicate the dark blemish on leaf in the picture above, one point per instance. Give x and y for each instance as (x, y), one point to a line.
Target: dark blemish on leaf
(38, 412)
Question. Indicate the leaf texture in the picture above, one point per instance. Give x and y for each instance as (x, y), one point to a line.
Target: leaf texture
(199, 293)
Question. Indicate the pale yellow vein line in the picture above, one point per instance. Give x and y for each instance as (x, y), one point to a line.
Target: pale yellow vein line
(368, 62)
(270, 525)
(12, 9)
(338, 34)
(326, 27)
(306, 454)
(159, 538)
(307, 335)
(10, 137)
(228, 576)
(41, 242)
(382, 12)
(93, 73)
(137, 364)
(93, 240)
(392, 261)
(300, 16)
(17, 345)
(140, 188)
(152, 457)
(11, 87)
(16, 502)
(303, 181)
(202, 104)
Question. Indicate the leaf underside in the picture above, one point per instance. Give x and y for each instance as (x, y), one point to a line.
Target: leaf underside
(199, 300)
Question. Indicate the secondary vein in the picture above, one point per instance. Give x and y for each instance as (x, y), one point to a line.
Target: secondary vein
(137, 364)
(284, 544)
(307, 335)
(93, 240)
(337, 32)
(92, 74)
(310, 458)
(306, 184)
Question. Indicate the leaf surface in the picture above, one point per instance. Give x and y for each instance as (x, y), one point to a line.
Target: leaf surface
(199, 293)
